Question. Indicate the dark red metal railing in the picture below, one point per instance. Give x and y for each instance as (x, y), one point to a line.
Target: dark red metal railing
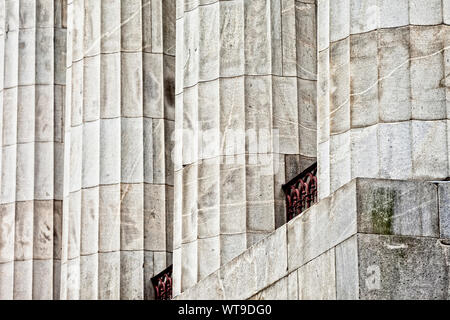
(163, 285)
(301, 192)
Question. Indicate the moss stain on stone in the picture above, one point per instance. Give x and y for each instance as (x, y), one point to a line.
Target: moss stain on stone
(382, 210)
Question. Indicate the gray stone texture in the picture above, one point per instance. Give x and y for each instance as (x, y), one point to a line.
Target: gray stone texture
(382, 99)
(87, 115)
(324, 260)
(139, 133)
(246, 81)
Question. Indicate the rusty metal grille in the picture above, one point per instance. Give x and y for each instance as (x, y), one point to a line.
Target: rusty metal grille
(163, 284)
(301, 192)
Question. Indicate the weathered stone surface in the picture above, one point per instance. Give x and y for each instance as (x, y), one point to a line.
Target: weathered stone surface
(347, 274)
(444, 210)
(393, 267)
(322, 227)
(316, 279)
(277, 291)
(397, 208)
(160, 126)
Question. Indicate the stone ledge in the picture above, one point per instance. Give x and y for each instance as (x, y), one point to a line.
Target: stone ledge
(334, 241)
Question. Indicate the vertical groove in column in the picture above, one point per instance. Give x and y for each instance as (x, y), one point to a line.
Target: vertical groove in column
(90, 153)
(132, 171)
(110, 152)
(9, 152)
(44, 191)
(76, 151)
(60, 49)
(23, 265)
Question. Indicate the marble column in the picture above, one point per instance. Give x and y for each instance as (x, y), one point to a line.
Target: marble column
(245, 124)
(118, 173)
(383, 90)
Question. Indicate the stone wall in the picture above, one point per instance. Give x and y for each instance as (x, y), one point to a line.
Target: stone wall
(382, 90)
(371, 239)
(246, 123)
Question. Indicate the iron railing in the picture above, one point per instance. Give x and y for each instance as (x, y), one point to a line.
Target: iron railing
(162, 283)
(301, 192)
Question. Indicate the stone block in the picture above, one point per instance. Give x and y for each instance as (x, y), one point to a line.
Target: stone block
(110, 146)
(131, 275)
(131, 84)
(7, 212)
(397, 268)
(363, 16)
(23, 244)
(131, 12)
(91, 154)
(153, 93)
(91, 88)
(25, 172)
(232, 56)
(7, 281)
(322, 227)
(339, 111)
(425, 12)
(393, 13)
(109, 218)
(89, 275)
(285, 115)
(429, 149)
(339, 19)
(132, 217)
(316, 279)
(427, 90)
(257, 40)
(292, 286)
(90, 221)
(74, 231)
(110, 40)
(397, 208)
(306, 40)
(347, 273)
(132, 150)
(43, 230)
(364, 152)
(209, 46)
(395, 147)
(395, 89)
(444, 210)
(231, 246)
(190, 48)
(110, 84)
(277, 291)
(340, 160)
(154, 217)
(364, 79)
(109, 277)
(209, 255)
(23, 280)
(189, 265)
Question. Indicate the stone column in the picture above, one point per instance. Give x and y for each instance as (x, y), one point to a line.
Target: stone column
(31, 105)
(383, 90)
(245, 123)
(119, 173)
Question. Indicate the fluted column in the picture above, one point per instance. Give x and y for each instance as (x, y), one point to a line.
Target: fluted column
(383, 90)
(32, 87)
(119, 172)
(245, 123)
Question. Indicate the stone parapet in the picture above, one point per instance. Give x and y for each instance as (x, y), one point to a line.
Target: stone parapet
(371, 239)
